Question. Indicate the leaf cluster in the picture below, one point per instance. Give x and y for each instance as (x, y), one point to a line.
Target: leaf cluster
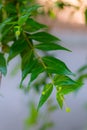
(21, 34)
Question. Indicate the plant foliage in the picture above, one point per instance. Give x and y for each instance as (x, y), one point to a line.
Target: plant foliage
(21, 34)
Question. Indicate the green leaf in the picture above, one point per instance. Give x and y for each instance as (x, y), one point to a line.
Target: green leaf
(3, 67)
(48, 88)
(28, 63)
(17, 47)
(83, 68)
(24, 17)
(44, 37)
(32, 25)
(28, 68)
(5, 33)
(62, 80)
(33, 115)
(50, 47)
(38, 69)
(56, 66)
(60, 99)
(26, 57)
(4, 23)
(65, 85)
(82, 77)
(33, 8)
(85, 13)
(70, 88)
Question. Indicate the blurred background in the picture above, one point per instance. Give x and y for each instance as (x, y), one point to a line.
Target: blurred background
(67, 20)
